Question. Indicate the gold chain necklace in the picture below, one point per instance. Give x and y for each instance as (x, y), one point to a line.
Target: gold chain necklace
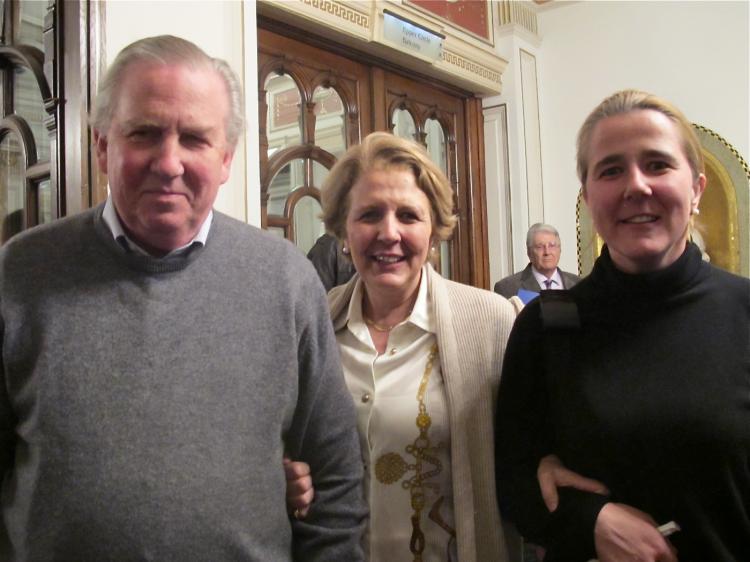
(378, 327)
(390, 467)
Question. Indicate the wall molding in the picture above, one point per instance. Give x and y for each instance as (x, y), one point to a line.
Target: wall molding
(342, 11)
(467, 61)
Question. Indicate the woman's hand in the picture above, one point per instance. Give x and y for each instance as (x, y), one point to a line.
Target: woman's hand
(552, 475)
(299, 488)
(623, 533)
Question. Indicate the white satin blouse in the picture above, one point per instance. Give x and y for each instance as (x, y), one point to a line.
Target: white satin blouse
(402, 467)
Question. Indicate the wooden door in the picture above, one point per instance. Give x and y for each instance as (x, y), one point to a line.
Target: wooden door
(313, 106)
(436, 119)
(374, 95)
(27, 194)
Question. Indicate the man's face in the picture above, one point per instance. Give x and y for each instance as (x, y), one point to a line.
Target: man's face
(545, 253)
(165, 152)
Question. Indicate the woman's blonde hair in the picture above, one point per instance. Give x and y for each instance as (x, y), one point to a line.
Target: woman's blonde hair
(626, 101)
(384, 151)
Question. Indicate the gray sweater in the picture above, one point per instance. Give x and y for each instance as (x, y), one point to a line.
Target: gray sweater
(145, 404)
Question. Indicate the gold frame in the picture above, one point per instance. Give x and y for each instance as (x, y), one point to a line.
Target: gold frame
(724, 222)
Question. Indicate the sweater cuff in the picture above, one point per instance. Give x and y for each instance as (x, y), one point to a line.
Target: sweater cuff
(573, 523)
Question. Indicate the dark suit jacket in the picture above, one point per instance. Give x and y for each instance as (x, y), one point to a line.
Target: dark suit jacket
(333, 267)
(525, 279)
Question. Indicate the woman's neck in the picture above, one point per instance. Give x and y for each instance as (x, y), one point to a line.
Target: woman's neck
(386, 309)
(648, 263)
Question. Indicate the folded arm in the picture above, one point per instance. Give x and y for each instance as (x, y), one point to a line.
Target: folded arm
(553, 506)
(323, 435)
(524, 436)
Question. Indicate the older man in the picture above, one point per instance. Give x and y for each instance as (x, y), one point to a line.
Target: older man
(159, 359)
(543, 249)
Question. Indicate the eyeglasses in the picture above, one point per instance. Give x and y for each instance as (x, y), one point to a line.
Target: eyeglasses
(547, 246)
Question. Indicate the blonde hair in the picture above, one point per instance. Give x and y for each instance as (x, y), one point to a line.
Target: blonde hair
(626, 101)
(384, 150)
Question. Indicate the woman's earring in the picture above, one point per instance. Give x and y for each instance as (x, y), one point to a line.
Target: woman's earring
(695, 211)
(345, 250)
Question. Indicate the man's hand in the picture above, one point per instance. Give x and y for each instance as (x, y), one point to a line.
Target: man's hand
(299, 488)
(552, 475)
(623, 533)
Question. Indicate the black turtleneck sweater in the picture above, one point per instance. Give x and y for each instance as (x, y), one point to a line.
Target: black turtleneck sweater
(651, 395)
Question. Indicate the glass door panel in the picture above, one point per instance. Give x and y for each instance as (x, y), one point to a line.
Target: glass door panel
(307, 224)
(12, 176)
(28, 104)
(330, 129)
(284, 119)
(289, 178)
(403, 124)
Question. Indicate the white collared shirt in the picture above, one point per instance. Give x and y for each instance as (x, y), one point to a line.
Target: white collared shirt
(384, 389)
(556, 279)
(118, 232)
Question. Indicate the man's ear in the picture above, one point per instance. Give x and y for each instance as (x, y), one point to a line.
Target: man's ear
(226, 164)
(100, 144)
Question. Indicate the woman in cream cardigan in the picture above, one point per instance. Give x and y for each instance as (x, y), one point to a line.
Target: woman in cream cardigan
(422, 357)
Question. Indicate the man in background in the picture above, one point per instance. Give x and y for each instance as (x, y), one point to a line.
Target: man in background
(542, 273)
(329, 259)
(159, 358)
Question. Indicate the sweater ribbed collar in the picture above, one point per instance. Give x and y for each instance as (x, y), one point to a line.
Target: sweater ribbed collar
(674, 279)
(147, 264)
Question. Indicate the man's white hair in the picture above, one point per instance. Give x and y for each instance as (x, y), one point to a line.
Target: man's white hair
(166, 49)
(539, 227)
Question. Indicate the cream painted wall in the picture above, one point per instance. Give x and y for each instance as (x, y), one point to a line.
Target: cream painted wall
(512, 194)
(695, 54)
(217, 27)
(497, 173)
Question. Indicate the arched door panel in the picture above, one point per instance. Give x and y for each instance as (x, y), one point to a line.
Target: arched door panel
(310, 114)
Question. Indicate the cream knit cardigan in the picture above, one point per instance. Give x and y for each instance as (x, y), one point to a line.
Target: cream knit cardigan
(472, 330)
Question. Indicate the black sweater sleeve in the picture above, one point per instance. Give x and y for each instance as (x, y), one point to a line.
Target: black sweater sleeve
(524, 435)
